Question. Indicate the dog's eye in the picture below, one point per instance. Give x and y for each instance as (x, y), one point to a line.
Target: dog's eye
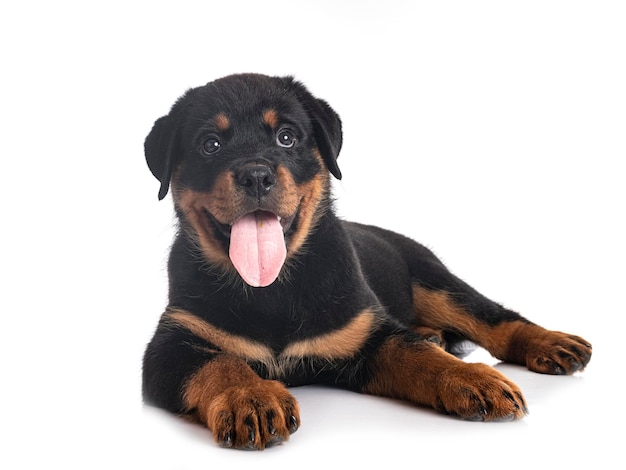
(285, 138)
(211, 146)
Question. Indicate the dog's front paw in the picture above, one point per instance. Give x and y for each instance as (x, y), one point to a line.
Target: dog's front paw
(477, 392)
(253, 417)
(556, 353)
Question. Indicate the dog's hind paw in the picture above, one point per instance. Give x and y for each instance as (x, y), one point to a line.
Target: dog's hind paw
(558, 353)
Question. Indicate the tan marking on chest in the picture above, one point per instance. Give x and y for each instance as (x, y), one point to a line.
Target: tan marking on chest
(343, 343)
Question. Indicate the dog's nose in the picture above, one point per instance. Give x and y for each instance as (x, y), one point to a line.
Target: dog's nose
(256, 180)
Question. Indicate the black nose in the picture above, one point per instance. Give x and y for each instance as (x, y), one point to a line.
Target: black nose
(256, 180)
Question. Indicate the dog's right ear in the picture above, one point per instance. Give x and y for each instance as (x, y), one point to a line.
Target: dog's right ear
(160, 148)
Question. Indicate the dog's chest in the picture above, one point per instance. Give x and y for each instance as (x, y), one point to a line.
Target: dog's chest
(296, 352)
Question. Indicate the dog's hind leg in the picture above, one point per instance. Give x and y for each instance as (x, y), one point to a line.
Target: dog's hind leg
(444, 302)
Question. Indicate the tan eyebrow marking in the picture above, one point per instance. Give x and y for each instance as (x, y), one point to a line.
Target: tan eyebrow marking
(222, 122)
(270, 117)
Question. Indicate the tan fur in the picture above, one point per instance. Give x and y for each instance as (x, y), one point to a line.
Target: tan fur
(436, 309)
(311, 195)
(426, 375)
(222, 122)
(339, 344)
(270, 117)
(226, 387)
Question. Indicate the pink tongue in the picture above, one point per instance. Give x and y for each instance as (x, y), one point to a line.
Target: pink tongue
(257, 248)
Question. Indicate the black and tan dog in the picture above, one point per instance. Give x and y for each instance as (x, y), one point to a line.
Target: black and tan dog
(268, 288)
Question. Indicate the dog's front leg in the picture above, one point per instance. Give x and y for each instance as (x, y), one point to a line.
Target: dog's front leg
(419, 371)
(187, 374)
(240, 408)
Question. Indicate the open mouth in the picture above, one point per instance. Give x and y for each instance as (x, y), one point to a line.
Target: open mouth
(257, 245)
(225, 229)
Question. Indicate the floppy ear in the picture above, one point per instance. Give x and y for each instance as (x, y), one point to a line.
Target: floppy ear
(326, 126)
(160, 148)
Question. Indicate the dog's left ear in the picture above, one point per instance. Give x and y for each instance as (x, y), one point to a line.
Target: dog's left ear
(326, 126)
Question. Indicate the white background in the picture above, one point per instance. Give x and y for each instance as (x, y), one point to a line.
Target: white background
(491, 131)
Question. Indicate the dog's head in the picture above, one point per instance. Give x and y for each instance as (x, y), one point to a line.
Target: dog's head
(248, 158)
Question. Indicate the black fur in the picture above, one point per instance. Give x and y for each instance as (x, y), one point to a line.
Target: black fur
(341, 270)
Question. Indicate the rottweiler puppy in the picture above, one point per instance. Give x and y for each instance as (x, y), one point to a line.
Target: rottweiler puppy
(269, 289)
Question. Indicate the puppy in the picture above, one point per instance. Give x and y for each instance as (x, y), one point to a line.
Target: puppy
(269, 289)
